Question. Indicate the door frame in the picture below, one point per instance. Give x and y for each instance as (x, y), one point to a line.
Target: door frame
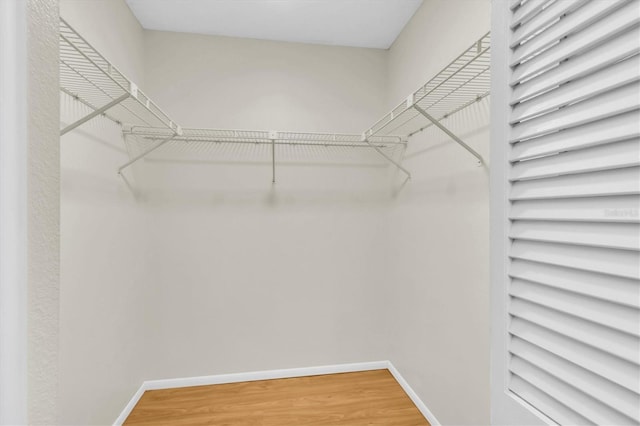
(506, 407)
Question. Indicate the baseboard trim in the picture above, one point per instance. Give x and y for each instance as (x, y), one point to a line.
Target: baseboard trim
(413, 395)
(264, 375)
(130, 405)
(276, 374)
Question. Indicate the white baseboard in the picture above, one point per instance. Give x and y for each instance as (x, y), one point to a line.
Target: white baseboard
(130, 405)
(264, 375)
(413, 395)
(275, 374)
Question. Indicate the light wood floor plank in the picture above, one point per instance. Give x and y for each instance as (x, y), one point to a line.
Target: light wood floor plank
(349, 399)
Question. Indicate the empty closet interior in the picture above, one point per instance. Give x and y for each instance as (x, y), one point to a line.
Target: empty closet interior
(235, 204)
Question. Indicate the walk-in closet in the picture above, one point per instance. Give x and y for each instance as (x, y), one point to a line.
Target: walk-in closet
(233, 204)
(320, 212)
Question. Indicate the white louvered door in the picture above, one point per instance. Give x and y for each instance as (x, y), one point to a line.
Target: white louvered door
(566, 212)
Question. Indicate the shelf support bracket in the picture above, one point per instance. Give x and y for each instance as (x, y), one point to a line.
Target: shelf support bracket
(95, 113)
(144, 154)
(448, 132)
(391, 160)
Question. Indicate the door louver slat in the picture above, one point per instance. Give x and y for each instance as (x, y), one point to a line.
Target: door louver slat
(612, 103)
(589, 407)
(619, 344)
(606, 157)
(596, 184)
(527, 10)
(604, 287)
(573, 209)
(625, 236)
(598, 362)
(609, 393)
(601, 56)
(574, 22)
(620, 318)
(604, 80)
(546, 17)
(618, 128)
(546, 404)
(608, 27)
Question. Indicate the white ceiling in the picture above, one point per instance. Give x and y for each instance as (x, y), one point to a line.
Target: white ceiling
(358, 23)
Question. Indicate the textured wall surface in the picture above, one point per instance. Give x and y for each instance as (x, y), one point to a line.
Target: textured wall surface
(43, 216)
(438, 301)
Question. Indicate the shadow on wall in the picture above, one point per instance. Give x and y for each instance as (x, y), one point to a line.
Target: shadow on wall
(443, 144)
(467, 124)
(217, 174)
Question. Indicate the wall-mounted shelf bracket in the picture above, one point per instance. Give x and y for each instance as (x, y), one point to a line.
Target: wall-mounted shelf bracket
(94, 113)
(89, 78)
(150, 150)
(442, 127)
(463, 82)
(391, 160)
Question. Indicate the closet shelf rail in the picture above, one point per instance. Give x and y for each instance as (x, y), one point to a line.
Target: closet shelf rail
(466, 80)
(89, 78)
(151, 139)
(268, 137)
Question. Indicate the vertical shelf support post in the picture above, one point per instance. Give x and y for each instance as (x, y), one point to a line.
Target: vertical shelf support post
(273, 136)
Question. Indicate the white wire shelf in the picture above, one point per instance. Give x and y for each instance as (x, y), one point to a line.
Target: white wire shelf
(466, 80)
(258, 145)
(89, 78)
(192, 135)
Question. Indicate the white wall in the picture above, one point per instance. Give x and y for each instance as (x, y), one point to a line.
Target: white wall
(438, 227)
(215, 270)
(212, 81)
(250, 275)
(104, 238)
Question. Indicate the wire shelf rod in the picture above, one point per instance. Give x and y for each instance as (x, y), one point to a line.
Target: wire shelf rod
(91, 79)
(464, 79)
(244, 141)
(460, 108)
(452, 94)
(452, 75)
(87, 104)
(412, 114)
(98, 88)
